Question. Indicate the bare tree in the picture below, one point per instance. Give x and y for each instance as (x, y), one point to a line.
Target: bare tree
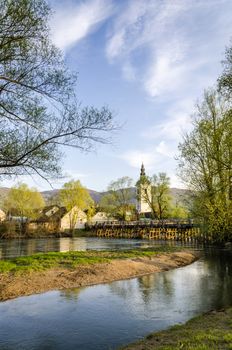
(39, 112)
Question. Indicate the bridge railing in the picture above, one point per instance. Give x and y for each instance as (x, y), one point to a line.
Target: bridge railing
(145, 223)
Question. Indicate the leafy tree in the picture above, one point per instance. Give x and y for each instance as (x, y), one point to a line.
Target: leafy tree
(75, 197)
(155, 191)
(118, 200)
(161, 194)
(178, 212)
(225, 80)
(23, 201)
(206, 164)
(39, 111)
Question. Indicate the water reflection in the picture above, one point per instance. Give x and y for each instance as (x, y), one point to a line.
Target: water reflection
(21, 247)
(109, 315)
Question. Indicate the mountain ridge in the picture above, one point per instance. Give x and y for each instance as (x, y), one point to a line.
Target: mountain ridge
(178, 194)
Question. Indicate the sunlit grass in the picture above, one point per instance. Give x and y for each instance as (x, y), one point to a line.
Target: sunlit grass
(211, 331)
(70, 260)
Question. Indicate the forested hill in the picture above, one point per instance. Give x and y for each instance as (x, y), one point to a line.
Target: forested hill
(178, 195)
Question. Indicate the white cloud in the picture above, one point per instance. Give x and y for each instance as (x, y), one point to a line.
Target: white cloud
(157, 159)
(166, 72)
(177, 52)
(175, 181)
(136, 157)
(146, 25)
(177, 121)
(165, 150)
(154, 157)
(72, 22)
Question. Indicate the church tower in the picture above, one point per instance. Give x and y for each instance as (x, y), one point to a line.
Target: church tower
(143, 193)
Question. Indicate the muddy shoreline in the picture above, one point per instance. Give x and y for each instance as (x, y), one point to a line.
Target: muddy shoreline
(13, 285)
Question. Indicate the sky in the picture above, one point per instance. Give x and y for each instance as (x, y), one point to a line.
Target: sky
(149, 61)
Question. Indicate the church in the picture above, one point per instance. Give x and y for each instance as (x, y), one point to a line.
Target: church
(144, 199)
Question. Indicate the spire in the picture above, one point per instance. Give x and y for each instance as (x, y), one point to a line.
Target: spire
(142, 171)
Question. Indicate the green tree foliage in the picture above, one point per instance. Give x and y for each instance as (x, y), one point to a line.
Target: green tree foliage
(39, 111)
(75, 197)
(23, 201)
(178, 212)
(225, 80)
(206, 165)
(155, 191)
(119, 199)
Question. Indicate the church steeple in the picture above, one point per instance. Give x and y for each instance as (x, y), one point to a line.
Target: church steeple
(143, 193)
(142, 171)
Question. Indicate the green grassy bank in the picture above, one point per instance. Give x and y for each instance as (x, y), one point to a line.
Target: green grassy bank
(206, 332)
(70, 260)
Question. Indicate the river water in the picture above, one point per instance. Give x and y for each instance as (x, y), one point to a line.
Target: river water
(111, 315)
(21, 247)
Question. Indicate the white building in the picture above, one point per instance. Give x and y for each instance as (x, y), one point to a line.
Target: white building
(143, 205)
(2, 215)
(101, 217)
(73, 219)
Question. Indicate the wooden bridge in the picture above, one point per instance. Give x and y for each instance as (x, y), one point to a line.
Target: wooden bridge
(158, 230)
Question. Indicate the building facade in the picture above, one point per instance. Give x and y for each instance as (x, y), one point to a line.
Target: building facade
(143, 194)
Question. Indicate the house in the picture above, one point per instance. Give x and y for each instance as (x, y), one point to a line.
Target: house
(50, 210)
(73, 219)
(56, 219)
(49, 220)
(2, 215)
(101, 217)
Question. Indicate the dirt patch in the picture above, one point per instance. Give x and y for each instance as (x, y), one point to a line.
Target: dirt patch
(15, 285)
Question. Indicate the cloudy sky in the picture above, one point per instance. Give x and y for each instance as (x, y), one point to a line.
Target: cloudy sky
(149, 61)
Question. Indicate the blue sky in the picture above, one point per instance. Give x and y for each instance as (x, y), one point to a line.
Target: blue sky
(149, 61)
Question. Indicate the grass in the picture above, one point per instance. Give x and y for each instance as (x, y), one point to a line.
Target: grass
(206, 332)
(70, 260)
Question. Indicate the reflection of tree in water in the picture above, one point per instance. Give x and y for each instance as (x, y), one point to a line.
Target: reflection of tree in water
(24, 247)
(219, 263)
(145, 287)
(13, 247)
(155, 283)
(71, 294)
(124, 289)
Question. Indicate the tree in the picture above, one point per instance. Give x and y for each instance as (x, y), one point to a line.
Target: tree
(24, 201)
(179, 212)
(75, 197)
(225, 80)
(155, 191)
(119, 199)
(161, 194)
(39, 111)
(206, 165)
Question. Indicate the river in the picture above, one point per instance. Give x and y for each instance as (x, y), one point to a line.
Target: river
(22, 247)
(111, 315)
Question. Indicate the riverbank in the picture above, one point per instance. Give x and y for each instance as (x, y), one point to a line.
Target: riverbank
(209, 331)
(43, 272)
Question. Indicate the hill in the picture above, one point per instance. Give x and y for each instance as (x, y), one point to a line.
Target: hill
(51, 196)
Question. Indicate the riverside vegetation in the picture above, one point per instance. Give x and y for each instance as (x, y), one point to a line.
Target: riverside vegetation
(70, 260)
(42, 272)
(212, 330)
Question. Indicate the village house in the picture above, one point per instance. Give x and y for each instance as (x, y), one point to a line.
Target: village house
(101, 217)
(57, 219)
(2, 215)
(49, 220)
(74, 219)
